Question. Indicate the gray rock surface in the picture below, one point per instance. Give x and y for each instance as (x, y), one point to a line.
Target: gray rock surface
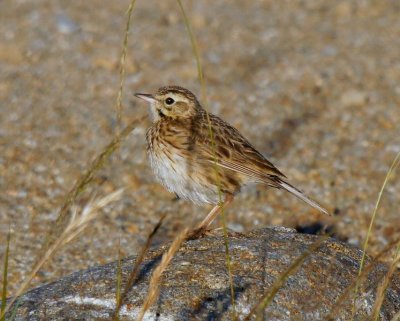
(314, 85)
(196, 287)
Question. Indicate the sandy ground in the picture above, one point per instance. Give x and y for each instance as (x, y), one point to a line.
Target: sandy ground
(313, 84)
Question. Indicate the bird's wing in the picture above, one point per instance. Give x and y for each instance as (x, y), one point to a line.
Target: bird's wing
(225, 146)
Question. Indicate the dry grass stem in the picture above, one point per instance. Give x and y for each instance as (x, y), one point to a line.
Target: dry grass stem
(267, 298)
(395, 164)
(196, 54)
(82, 183)
(118, 126)
(80, 220)
(366, 270)
(213, 144)
(122, 65)
(229, 264)
(5, 275)
(77, 223)
(119, 278)
(135, 270)
(156, 276)
(396, 317)
(380, 294)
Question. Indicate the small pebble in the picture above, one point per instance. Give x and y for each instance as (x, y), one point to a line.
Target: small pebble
(65, 24)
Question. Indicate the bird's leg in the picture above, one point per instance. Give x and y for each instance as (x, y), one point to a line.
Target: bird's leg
(202, 227)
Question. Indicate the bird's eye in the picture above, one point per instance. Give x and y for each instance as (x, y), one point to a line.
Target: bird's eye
(169, 101)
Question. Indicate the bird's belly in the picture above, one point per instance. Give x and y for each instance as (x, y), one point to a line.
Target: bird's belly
(179, 177)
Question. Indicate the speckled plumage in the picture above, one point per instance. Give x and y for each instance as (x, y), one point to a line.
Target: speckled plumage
(188, 162)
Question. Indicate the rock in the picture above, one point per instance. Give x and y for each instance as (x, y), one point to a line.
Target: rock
(196, 284)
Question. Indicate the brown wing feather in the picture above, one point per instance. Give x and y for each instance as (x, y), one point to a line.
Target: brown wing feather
(233, 151)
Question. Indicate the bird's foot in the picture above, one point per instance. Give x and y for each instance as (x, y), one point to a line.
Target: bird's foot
(197, 233)
(201, 232)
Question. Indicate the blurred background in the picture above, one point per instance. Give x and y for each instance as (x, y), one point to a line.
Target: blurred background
(314, 85)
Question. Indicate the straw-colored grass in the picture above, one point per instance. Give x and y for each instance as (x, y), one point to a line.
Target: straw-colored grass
(200, 75)
(68, 223)
(395, 164)
(135, 270)
(83, 182)
(122, 66)
(154, 287)
(72, 221)
(267, 298)
(78, 221)
(119, 278)
(349, 292)
(5, 275)
(380, 294)
(396, 317)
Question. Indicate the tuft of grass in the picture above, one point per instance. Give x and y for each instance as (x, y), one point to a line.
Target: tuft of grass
(5, 275)
(78, 221)
(267, 298)
(156, 276)
(213, 147)
(122, 65)
(69, 225)
(135, 270)
(395, 164)
(81, 185)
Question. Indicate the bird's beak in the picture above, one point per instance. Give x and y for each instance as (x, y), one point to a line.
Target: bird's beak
(147, 97)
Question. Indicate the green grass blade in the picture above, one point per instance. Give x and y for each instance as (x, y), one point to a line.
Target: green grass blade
(14, 310)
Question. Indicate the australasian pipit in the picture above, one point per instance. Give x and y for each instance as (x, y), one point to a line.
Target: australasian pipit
(202, 158)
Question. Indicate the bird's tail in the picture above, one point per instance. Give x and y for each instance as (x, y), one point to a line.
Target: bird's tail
(290, 188)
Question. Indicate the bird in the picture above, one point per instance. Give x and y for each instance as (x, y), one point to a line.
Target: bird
(202, 158)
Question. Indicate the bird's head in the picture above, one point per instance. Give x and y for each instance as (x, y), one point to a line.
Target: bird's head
(171, 102)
